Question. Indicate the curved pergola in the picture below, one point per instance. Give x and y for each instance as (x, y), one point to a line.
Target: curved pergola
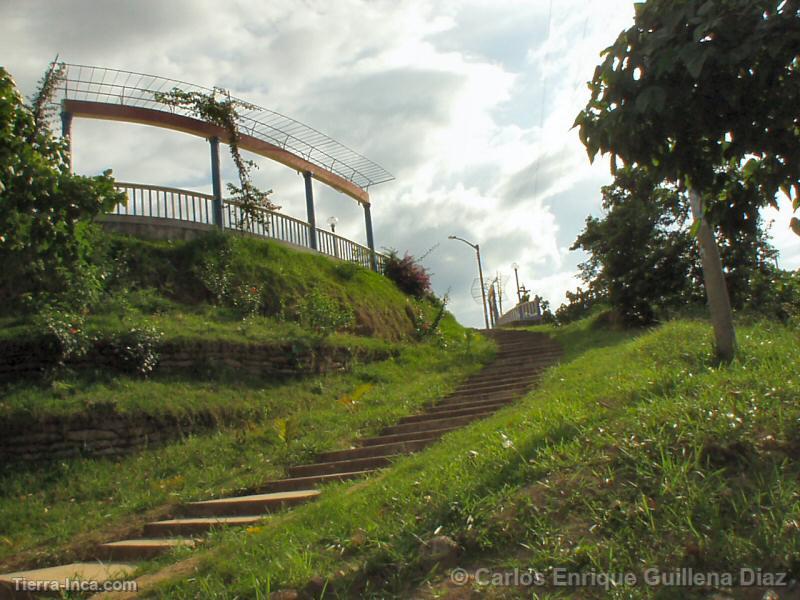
(111, 94)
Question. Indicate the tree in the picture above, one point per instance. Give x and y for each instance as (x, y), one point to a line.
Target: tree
(640, 252)
(695, 87)
(641, 257)
(44, 209)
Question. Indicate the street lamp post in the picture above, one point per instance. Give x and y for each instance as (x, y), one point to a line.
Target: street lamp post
(515, 266)
(477, 249)
(332, 221)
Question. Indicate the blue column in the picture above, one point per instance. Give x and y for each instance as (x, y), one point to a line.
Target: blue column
(370, 237)
(216, 182)
(312, 218)
(66, 133)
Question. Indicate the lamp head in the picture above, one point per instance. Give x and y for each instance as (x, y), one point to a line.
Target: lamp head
(514, 266)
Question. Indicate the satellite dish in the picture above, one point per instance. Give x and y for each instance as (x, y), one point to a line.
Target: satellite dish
(477, 294)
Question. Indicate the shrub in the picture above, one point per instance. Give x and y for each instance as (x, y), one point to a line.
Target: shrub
(62, 332)
(323, 314)
(136, 350)
(346, 270)
(775, 294)
(410, 276)
(425, 329)
(44, 208)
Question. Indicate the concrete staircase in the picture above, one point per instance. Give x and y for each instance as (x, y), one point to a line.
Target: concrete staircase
(521, 358)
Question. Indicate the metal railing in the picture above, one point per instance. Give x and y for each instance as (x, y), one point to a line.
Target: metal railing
(159, 202)
(128, 88)
(525, 311)
(165, 203)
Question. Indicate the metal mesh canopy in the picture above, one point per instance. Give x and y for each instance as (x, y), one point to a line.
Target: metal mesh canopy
(112, 86)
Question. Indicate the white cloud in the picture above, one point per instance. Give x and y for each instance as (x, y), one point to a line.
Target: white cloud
(470, 105)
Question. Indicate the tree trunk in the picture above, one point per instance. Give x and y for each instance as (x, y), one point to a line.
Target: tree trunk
(719, 303)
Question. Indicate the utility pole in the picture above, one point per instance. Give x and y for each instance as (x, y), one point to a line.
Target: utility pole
(477, 249)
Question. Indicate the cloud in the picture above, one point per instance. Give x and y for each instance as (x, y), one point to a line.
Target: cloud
(470, 104)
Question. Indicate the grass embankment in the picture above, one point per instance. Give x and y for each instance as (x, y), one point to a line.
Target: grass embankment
(201, 289)
(43, 507)
(215, 289)
(639, 453)
(224, 289)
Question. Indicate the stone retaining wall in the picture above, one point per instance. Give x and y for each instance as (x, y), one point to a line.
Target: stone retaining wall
(20, 359)
(105, 432)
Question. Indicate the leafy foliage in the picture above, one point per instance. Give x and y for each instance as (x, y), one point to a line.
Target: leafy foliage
(410, 276)
(699, 85)
(137, 349)
(45, 211)
(323, 314)
(424, 328)
(220, 109)
(579, 305)
(642, 259)
(62, 332)
(641, 254)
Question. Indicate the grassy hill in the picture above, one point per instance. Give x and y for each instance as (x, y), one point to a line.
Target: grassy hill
(638, 452)
(226, 290)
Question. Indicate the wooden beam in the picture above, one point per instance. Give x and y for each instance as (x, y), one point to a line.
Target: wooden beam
(168, 120)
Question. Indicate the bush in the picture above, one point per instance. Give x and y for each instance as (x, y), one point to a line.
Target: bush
(425, 329)
(62, 332)
(323, 314)
(136, 350)
(44, 208)
(774, 294)
(346, 270)
(410, 276)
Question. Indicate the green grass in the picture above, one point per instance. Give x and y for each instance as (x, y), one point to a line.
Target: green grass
(43, 507)
(638, 453)
(226, 394)
(161, 285)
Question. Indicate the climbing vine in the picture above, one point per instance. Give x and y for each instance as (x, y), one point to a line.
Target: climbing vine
(218, 108)
(42, 105)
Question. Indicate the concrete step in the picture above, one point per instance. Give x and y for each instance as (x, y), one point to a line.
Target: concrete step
(525, 359)
(192, 526)
(431, 435)
(302, 483)
(489, 395)
(513, 372)
(493, 404)
(85, 571)
(252, 504)
(403, 447)
(142, 549)
(340, 466)
(447, 414)
(500, 385)
(520, 348)
(452, 422)
(482, 397)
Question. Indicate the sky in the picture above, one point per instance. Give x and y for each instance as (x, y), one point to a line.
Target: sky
(469, 104)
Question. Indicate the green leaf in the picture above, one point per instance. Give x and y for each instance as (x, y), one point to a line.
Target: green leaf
(794, 224)
(695, 63)
(695, 228)
(750, 168)
(652, 97)
(706, 8)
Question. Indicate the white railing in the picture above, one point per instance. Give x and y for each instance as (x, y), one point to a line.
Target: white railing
(159, 202)
(523, 312)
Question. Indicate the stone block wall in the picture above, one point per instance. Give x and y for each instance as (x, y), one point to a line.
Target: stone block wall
(104, 432)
